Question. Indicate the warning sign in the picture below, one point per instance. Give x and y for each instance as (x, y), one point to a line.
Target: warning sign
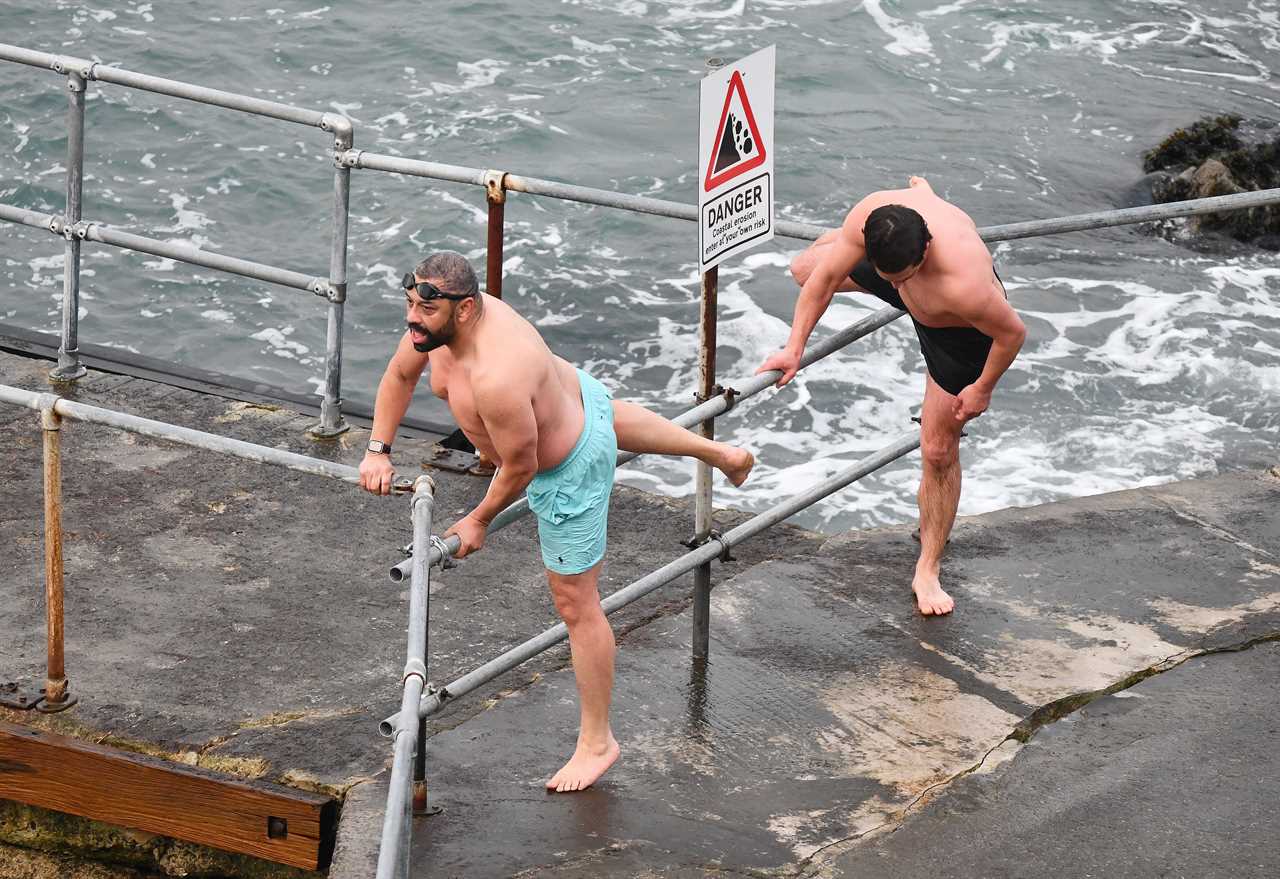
(735, 144)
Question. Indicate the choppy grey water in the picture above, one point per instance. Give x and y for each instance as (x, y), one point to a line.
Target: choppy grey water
(1146, 362)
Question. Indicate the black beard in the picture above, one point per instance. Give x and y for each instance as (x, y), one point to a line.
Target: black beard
(433, 341)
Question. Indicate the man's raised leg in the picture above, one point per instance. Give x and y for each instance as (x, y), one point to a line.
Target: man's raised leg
(592, 647)
(639, 430)
(939, 494)
(803, 263)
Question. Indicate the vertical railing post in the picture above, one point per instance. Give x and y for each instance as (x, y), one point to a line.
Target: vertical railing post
(55, 692)
(331, 421)
(496, 196)
(408, 733)
(69, 367)
(702, 509)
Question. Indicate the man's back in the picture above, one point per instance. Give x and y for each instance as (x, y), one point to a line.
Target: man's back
(957, 266)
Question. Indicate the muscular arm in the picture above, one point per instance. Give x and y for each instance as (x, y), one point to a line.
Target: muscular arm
(838, 260)
(990, 314)
(994, 316)
(506, 408)
(395, 391)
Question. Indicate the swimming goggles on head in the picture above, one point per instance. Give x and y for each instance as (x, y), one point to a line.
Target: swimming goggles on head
(428, 291)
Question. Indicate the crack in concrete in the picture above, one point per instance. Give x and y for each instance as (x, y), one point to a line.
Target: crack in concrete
(1022, 733)
(1215, 530)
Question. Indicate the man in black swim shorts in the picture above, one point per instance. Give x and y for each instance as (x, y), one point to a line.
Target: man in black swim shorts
(917, 252)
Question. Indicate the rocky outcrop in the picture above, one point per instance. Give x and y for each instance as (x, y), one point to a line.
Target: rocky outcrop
(1220, 155)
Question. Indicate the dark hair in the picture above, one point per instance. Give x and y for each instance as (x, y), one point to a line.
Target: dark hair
(896, 237)
(453, 269)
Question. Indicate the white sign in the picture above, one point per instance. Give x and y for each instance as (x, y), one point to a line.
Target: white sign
(735, 158)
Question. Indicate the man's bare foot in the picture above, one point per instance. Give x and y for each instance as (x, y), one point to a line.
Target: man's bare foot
(584, 767)
(929, 595)
(736, 463)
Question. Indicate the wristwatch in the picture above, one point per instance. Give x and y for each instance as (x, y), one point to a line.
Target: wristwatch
(379, 448)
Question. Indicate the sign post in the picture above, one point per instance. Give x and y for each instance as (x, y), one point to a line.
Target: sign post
(735, 213)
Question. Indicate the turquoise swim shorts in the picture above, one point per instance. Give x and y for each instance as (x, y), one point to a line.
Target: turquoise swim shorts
(571, 500)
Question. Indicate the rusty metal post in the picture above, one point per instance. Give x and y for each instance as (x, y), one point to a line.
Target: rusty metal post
(55, 686)
(496, 194)
(702, 488)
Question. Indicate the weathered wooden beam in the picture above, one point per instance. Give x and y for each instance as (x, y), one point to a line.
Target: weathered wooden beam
(264, 820)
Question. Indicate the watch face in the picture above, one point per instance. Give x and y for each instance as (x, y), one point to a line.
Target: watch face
(377, 447)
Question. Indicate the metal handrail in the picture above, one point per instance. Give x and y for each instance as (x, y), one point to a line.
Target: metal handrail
(188, 253)
(716, 548)
(79, 72)
(187, 436)
(718, 405)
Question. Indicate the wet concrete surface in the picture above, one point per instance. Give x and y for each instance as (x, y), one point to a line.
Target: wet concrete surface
(1173, 777)
(830, 710)
(239, 616)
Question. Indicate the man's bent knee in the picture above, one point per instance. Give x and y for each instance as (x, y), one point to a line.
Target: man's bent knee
(802, 266)
(939, 454)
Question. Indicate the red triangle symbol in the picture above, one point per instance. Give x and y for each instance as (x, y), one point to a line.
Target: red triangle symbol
(739, 149)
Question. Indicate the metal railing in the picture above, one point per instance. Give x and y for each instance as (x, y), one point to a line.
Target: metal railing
(74, 229)
(713, 399)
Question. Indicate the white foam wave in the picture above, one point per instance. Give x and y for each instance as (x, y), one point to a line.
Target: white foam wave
(909, 38)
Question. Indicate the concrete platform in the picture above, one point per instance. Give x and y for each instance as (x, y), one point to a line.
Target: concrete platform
(1174, 777)
(241, 619)
(239, 616)
(829, 710)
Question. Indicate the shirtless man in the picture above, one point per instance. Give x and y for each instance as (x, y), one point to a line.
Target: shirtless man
(553, 431)
(917, 252)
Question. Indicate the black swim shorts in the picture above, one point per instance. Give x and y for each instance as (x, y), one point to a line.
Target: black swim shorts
(955, 356)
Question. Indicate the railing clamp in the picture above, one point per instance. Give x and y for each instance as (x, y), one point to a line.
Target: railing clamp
(415, 667)
(335, 292)
(495, 186)
(79, 66)
(694, 542)
(446, 558)
(725, 546)
(730, 397)
(59, 226)
(349, 158)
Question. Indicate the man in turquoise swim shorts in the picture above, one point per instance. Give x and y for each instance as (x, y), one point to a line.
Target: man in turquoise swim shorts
(554, 432)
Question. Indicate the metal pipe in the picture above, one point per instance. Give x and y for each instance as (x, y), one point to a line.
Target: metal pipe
(553, 189)
(702, 506)
(393, 853)
(185, 435)
(394, 846)
(331, 422)
(496, 196)
(189, 253)
(181, 252)
(69, 367)
(55, 686)
(707, 552)
(158, 85)
(805, 231)
(1125, 216)
(718, 405)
